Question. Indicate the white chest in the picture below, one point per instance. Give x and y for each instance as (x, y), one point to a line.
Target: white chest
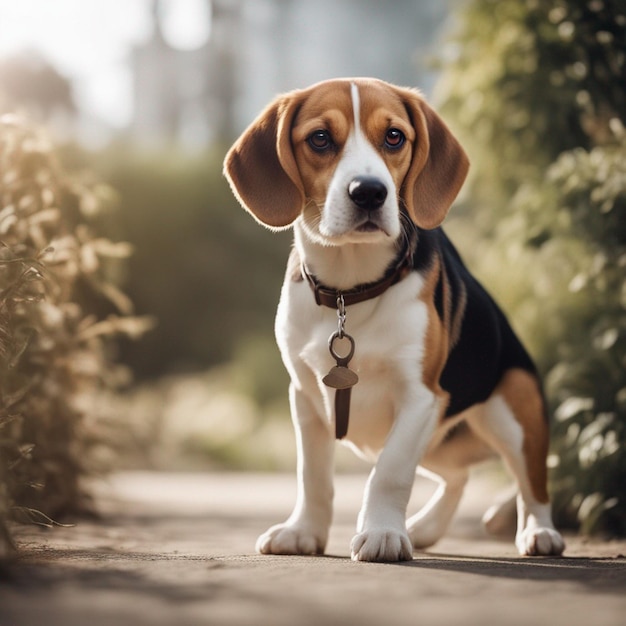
(389, 336)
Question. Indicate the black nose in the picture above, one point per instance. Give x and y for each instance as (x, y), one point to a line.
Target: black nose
(367, 192)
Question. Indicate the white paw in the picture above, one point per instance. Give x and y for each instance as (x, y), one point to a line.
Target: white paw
(424, 533)
(501, 518)
(290, 539)
(422, 540)
(382, 544)
(540, 541)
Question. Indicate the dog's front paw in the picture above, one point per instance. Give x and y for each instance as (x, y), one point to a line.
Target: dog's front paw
(540, 541)
(382, 544)
(290, 539)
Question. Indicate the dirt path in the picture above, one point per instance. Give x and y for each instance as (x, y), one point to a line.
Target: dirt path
(177, 550)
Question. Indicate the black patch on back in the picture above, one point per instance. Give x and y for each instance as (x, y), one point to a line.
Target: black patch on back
(486, 346)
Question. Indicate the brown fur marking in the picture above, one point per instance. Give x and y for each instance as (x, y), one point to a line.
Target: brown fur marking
(523, 395)
(436, 340)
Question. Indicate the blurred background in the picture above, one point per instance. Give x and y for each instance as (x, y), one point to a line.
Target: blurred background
(147, 96)
(129, 107)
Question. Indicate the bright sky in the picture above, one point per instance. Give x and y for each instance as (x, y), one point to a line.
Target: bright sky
(89, 41)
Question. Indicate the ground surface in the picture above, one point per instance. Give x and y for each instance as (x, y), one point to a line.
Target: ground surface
(177, 549)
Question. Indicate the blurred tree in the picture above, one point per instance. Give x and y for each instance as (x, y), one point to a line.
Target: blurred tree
(29, 82)
(536, 91)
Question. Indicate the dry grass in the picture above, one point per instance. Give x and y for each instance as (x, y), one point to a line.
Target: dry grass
(54, 273)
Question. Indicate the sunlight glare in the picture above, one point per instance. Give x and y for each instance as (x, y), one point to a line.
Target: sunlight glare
(87, 41)
(186, 23)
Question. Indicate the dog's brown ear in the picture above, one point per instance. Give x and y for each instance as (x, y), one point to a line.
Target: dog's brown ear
(261, 167)
(438, 167)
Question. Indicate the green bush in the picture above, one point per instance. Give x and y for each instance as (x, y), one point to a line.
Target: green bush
(536, 91)
(588, 381)
(53, 272)
(201, 266)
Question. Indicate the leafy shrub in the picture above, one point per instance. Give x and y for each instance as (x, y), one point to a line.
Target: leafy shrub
(53, 351)
(537, 94)
(588, 383)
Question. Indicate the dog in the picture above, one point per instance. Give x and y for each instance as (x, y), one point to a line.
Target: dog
(365, 172)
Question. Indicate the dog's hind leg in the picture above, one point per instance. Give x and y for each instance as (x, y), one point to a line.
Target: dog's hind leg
(448, 464)
(501, 517)
(514, 424)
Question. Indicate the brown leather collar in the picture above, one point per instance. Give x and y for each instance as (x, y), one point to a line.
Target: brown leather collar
(327, 296)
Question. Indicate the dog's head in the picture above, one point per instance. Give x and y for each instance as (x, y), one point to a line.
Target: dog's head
(347, 155)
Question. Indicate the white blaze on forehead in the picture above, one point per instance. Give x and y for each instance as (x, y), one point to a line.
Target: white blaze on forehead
(356, 104)
(360, 143)
(360, 155)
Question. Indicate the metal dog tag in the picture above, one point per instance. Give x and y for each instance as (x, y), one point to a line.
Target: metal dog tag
(342, 411)
(340, 377)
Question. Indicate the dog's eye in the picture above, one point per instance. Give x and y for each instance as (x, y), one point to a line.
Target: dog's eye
(394, 139)
(320, 140)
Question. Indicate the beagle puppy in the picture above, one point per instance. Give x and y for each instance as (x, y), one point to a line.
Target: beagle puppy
(365, 172)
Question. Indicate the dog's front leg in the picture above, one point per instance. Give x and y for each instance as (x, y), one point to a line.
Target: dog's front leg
(381, 531)
(306, 530)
